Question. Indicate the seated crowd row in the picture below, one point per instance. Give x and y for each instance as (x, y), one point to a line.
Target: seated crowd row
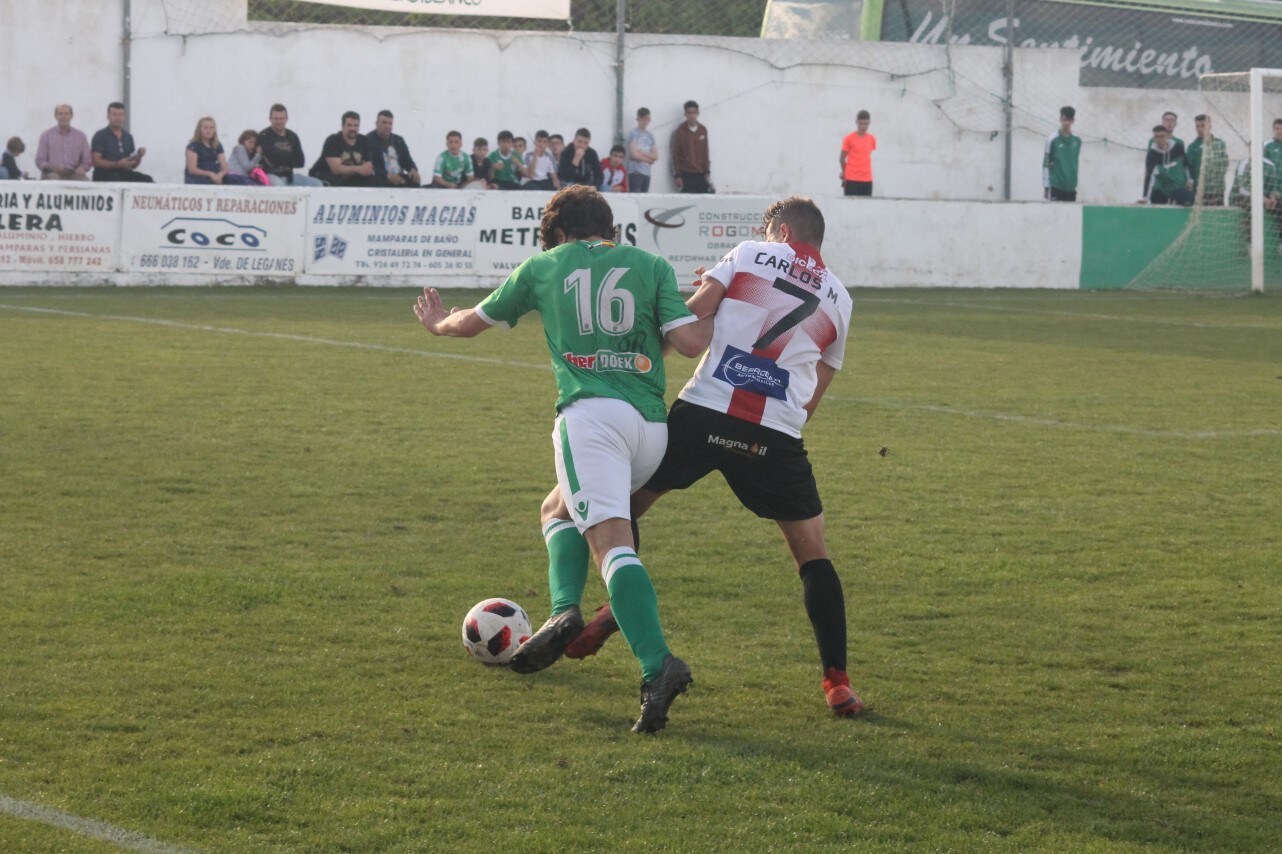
(274, 156)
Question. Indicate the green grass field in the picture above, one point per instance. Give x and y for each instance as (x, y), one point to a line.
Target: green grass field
(239, 529)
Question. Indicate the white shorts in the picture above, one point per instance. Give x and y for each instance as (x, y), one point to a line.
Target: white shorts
(605, 450)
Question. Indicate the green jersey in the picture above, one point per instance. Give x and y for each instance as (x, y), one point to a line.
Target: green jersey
(1060, 162)
(1241, 194)
(1273, 151)
(1208, 164)
(455, 168)
(605, 309)
(504, 168)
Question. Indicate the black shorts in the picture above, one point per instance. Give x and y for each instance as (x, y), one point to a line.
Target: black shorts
(767, 470)
(858, 188)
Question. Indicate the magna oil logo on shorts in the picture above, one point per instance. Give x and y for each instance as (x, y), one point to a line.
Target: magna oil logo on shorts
(608, 360)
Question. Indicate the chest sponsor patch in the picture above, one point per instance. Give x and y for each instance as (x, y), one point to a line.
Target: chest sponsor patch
(753, 373)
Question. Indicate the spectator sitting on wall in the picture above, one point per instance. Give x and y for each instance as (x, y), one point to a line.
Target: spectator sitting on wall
(691, 164)
(282, 152)
(642, 153)
(206, 160)
(9, 169)
(521, 147)
(345, 159)
(114, 156)
(1208, 162)
(579, 162)
(393, 165)
(541, 165)
(245, 157)
(1166, 174)
(63, 152)
(506, 166)
(556, 145)
(481, 165)
(453, 168)
(614, 174)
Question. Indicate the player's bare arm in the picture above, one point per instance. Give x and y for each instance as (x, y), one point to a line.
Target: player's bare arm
(455, 323)
(823, 376)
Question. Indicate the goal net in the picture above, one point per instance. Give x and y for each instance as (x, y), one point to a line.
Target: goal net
(1232, 237)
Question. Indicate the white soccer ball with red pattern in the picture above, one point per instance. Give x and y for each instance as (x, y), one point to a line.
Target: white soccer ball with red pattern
(493, 629)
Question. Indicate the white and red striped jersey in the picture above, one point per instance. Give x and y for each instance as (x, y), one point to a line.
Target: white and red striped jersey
(783, 312)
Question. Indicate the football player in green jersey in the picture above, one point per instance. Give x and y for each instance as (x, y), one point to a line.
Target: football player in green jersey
(607, 310)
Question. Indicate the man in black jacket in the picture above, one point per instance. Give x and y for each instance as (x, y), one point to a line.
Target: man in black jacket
(393, 165)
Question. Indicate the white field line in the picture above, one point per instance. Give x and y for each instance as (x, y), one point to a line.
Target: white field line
(543, 366)
(127, 839)
(995, 307)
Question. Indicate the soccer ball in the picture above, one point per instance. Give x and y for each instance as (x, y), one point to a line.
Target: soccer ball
(493, 629)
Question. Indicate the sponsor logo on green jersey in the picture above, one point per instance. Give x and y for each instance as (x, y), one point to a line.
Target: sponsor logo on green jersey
(608, 360)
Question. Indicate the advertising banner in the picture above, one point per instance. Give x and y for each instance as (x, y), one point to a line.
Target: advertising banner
(507, 230)
(553, 9)
(220, 231)
(392, 232)
(1132, 48)
(695, 230)
(53, 227)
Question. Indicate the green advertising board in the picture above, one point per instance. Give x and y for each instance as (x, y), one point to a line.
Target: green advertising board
(1130, 45)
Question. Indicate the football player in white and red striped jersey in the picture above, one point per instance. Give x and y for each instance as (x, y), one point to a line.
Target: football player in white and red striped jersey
(779, 337)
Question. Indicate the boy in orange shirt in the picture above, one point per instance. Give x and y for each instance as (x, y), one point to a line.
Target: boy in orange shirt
(856, 157)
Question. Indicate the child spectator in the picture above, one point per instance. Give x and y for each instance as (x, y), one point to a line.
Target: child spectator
(9, 160)
(540, 165)
(1166, 174)
(614, 175)
(856, 157)
(1060, 158)
(453, 168)
(642, 153)
(556, 144)
(481, 163)
(579, 162)
(246, 157)
(506, 166)
(206, 162)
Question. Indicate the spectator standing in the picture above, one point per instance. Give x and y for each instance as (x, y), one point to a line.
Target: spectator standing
(206, 160)
(1169, 120)
(579, 162)
(1166, 175)
(453, 168)
(115, 158)
(62, 153)
(856, 157)
(1272, 204)
(1208, 159)
(614, 174)
(345, 158)
(1059, 161)
(642, 153)
(9, 169)
(393, 165)
(541, 165)
(282, 152)
(1273, 148)
(245, 157)
(691, 165)
(506, 166)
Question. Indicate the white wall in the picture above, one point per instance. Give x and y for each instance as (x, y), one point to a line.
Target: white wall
(775, 124)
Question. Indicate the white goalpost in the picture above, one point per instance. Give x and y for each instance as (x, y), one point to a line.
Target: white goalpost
(1257, 133)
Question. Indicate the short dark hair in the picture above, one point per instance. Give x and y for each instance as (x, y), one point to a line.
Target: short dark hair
(618, 149)
(1200, 117)
(557, 136)
(863, 114)
(387, 113)
(1067, 113)
(576, 212)
(518, 139)
(115, 105)
(453, 133)
(690, 104)
(351, 114)
(15, 145)
(1169, 113)
(480, 140)
(277, 108)
(540, 134)
(1159, 129)
(583, 132)
(802, 215)
(643, 112)
(248, 134)
(505, 135)
(1277, 122)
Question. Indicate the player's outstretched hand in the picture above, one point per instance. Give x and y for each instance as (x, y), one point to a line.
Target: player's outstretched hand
(430, 311)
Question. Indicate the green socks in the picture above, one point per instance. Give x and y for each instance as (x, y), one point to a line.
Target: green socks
(568, 559)
(636, 608)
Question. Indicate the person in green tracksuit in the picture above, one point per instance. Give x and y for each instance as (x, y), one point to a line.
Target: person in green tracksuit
(1208, 164)
(1059, 163)
(1166, 172)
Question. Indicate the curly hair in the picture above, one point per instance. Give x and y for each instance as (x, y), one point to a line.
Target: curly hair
(802, 214)
(574, 213)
